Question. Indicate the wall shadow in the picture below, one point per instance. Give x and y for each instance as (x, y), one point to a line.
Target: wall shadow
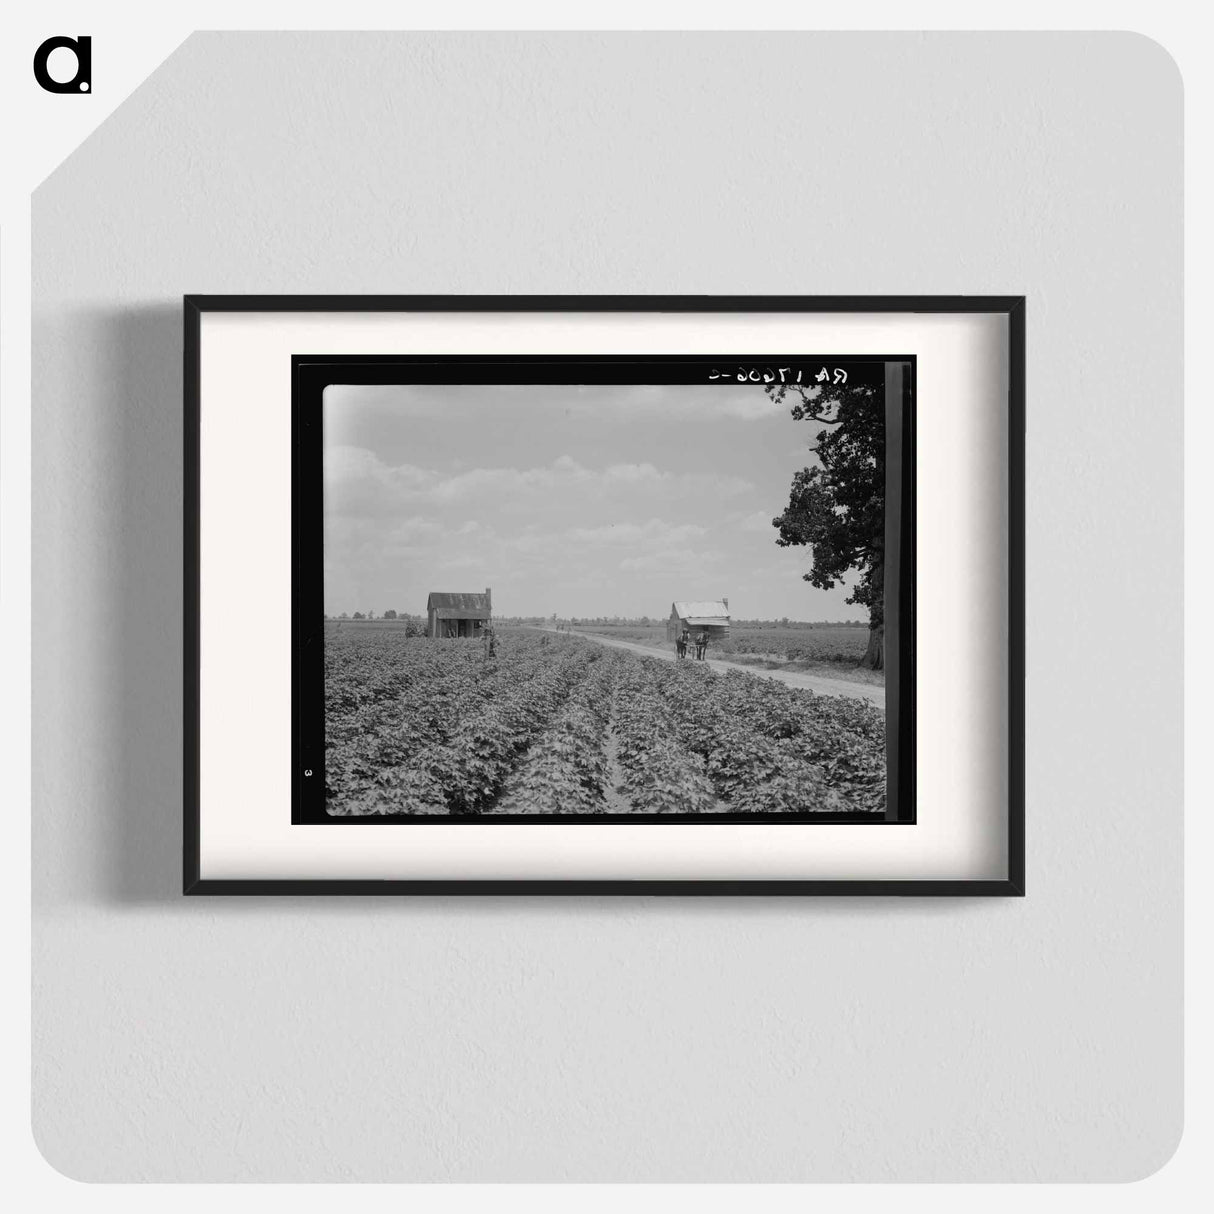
(140, 396)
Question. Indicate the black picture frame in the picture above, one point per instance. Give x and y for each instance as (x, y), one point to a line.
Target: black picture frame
(900, 715)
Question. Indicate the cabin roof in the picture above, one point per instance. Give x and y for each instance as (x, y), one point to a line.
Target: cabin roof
(453, 605)
(701, 611)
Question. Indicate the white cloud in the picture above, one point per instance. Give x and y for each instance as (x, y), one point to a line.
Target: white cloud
(757, 522)
(654, 533)
(358, 482)
(681, 562)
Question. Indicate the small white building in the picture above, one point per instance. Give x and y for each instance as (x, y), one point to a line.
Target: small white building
(701, 615)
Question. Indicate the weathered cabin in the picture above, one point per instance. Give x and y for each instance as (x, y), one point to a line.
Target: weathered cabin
(458, 615)
(710, 616)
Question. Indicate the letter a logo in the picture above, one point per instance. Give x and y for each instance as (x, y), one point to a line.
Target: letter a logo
(82, 81)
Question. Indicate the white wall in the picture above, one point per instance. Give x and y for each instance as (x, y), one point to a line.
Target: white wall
(624, 1039)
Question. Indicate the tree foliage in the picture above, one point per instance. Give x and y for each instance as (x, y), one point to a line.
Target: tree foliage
(837, 507)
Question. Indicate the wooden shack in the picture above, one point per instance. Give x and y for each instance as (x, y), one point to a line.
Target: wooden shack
(702, 615)
(458, 614)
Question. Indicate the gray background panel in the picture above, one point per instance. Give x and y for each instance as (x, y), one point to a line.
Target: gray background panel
(625, 1039)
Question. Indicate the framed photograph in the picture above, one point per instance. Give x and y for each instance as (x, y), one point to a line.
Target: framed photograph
(604, 595)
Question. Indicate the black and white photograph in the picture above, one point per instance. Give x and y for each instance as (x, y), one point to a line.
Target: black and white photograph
(609, 591)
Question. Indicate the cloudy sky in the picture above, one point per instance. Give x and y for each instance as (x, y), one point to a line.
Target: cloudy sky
(580, 500)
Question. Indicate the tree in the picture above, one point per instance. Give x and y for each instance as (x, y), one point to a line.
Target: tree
(358, 615)
(837, 508)
(389, 614)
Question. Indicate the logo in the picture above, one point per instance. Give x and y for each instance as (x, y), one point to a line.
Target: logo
(82, 81)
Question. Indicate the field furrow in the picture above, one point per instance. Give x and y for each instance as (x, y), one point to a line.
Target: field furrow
(462, 770)
(566, 769)
(659, 775)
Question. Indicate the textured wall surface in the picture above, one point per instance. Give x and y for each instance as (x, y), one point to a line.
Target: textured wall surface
(630, 1039)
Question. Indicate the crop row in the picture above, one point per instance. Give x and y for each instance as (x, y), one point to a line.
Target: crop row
(418, 727)
(843, 738)
(660, 773)
(747, 770)
(421, 693)
(566, 770)
(450, 751)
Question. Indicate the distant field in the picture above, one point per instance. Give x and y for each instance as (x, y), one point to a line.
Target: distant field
(373, 623)
(828, 648)
(833, 649)
(844, 643)
(653, 634)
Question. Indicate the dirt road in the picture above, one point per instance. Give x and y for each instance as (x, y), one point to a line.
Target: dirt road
(793, 678)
